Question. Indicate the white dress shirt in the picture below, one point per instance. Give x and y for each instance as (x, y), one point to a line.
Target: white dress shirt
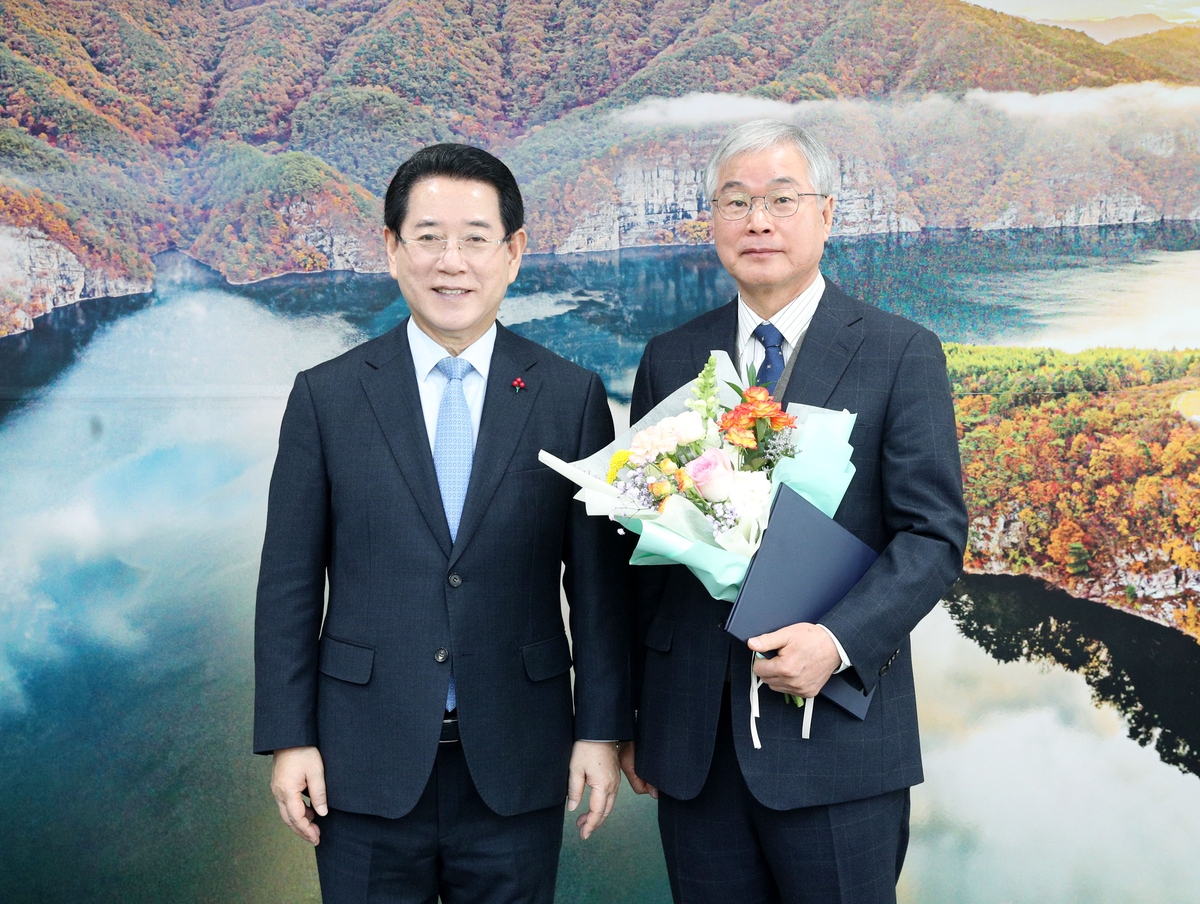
(792, 320)
(432, 382)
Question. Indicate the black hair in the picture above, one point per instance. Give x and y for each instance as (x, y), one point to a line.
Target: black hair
(454, 161)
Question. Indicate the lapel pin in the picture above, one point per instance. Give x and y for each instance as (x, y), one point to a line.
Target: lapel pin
(518, 384)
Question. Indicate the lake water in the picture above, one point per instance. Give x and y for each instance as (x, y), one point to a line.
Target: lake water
(1062, 739)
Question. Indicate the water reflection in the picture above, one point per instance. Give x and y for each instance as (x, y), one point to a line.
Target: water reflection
(1147, 671)
(29, 361)
(1033, 791)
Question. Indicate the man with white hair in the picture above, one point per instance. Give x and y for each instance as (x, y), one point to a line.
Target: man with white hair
(823, 818)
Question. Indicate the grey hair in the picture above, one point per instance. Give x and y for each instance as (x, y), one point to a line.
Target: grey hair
(761, 134)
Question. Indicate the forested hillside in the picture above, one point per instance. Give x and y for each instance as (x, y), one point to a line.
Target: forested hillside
(1176, 50)
(258, 136)
(1082, 470)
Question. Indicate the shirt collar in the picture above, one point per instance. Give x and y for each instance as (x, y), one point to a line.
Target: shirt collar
(426, 353)
(792, 319)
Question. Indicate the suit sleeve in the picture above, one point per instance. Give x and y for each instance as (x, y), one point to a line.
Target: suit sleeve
(597, 587)
(647, 582)
(923, 513)
(291, 582)
(643, 389)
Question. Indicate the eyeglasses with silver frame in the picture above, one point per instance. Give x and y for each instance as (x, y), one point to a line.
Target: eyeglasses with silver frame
(471, 247)
(782, 202)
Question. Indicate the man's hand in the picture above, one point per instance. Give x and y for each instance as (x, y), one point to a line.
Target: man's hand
(593, 763)
(626, 757)
(294, 771)
(806, 658)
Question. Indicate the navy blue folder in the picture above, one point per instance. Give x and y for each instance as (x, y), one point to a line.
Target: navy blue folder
(806, 563)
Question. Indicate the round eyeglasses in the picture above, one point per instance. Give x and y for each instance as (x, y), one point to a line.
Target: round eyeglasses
(471, 247)
(783, 202)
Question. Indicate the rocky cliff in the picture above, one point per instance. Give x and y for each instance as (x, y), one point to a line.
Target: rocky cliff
(665, 204)
(38, 274)
(1142, 582)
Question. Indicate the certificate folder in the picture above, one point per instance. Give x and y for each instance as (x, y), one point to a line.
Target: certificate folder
(806, 563)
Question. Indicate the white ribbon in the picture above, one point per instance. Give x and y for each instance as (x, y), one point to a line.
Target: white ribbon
(755, 684)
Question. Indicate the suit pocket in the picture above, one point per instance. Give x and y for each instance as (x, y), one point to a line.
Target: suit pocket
(346, 661)
(659, 634)
(547, 658)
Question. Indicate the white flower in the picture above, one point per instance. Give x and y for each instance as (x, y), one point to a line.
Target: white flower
(751, 495)
(688, 427)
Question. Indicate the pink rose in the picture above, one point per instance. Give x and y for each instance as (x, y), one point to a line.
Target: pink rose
(712, 473)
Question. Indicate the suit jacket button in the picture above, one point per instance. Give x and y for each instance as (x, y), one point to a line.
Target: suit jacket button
(455, 580)
(883, 671)
(441, 655)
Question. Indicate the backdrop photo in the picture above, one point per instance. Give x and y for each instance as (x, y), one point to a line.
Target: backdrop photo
(190, 213)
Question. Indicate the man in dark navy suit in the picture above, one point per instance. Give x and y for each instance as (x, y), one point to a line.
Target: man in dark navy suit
(427, 708)
(822, 819)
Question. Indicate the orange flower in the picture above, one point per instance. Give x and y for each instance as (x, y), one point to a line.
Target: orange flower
(739, 417)
(683, 480)
(740, 436)
(737, 425)
(667, 466)
(781, 420)
(758, 402)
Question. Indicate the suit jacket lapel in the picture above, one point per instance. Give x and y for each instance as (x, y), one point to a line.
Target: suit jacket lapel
(505, 413)
(832, 339)
(722, 336)
(390, 383)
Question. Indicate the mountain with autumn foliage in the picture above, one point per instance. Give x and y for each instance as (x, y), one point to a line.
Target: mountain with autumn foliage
(1081, 469)
(1177, 50)
(258, 136)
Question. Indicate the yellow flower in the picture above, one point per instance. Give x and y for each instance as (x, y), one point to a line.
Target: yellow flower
(616, 463)
(661, 489)
(683, 480)
(668, 467)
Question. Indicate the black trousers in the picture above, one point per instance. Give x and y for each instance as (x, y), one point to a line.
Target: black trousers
(451, 845)
(723, 846)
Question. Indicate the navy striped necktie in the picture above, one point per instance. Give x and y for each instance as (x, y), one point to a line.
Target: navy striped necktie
(772, 367)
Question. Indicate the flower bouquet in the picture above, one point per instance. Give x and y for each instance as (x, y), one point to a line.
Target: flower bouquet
(696, 476)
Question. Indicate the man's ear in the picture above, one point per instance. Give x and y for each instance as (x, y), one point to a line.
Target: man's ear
(391, 243)
(516, 249)
(827, 213)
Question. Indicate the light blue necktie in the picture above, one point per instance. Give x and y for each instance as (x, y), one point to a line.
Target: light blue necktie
(453, 448)
(772, 366)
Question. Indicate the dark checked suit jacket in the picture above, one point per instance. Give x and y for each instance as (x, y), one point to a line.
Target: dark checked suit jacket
(354, 499)
(905, 501)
